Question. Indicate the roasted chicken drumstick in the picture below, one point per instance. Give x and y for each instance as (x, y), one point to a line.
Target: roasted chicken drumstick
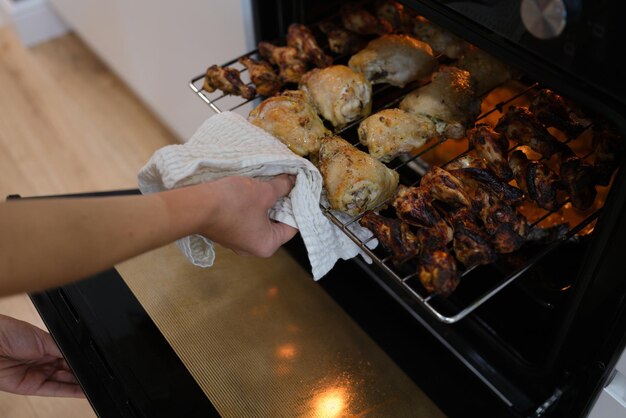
(493, 148)
(301, 38)
(553, 111)
(266, 81)
(290, 66)
(437, 271)
(395, 235)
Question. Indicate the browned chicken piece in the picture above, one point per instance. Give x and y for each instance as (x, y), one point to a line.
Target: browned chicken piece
(262, 74)
(358, 20)
(539, 183)
(553, 111)
(440, 40)
(486, 71)
(493, 202)
(577, 179)
(392, 132)
(437, 271)
(608, 151)
(292, 118)
(394, 12)
(445, 187)
(354, 181)
(394, 235)
(340, 40)
(493, 148)
(301, 38)
(228, 80)
(472, 246)
(449, 100)
(394, 59)
(286, 58)
(413, 205)
(465, 161)
(519, 125)
(340, 94)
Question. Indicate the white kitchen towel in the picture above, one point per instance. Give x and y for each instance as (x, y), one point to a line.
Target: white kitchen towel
(227, 145)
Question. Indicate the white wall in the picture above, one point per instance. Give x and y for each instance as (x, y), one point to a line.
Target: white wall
(157, 46)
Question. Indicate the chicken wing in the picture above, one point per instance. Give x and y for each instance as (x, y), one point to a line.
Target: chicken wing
(553, 111)
(301, 38)
(539, 183)
(228, 80)
(340, 40)
(392, 132)
(340, 94)
(445, 187)
(437, 271)
(486, 71)
(354, 181)
(440, 40)
(472, 246)
(292, 118)
(493, 148)
(394, 59)
(519, 125)
(286, 58)
(358, 20)
(394, 235)
(266, 81)
(449, 100)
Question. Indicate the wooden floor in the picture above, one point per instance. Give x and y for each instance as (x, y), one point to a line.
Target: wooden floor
(67, 124)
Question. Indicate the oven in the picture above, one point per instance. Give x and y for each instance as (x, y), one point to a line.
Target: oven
(536, 333)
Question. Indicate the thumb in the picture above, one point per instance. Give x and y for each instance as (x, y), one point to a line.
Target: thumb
(282, 184)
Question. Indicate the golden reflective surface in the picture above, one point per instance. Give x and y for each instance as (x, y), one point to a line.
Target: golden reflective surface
(263, 340)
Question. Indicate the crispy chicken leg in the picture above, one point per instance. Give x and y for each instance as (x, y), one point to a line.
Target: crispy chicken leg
(354, 181)
(286, 58)
(472, 246)
(392, 132)
(291, 117)
(539, 183)
(449, 100)
(445, 187)
(301, 38)
(394, 59)
(437, 271)
(553, 111)
(395, 235)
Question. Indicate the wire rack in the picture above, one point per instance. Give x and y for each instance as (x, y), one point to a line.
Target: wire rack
(453, 308)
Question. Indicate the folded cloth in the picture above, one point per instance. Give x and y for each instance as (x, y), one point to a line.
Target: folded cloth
(228, 145)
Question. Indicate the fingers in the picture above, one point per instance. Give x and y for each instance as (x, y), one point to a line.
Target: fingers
(59, 389)
(48, 344)
(283, 184)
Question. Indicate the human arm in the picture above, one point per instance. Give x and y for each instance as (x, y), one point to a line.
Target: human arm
(49, 242)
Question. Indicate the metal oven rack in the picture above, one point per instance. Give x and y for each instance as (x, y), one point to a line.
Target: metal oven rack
(447, 310)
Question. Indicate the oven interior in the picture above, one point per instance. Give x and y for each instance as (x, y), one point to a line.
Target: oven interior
(508, 321)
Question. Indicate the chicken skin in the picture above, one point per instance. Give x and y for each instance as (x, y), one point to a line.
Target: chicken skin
(437, 271)
(340, 94)
(445, 187)
(394, 12)
(552, 110)
(520, 125)
(394, 59)
(340, 40)
(291, 117)
(448, 100)
(354, 181)
(358, 20)
(493, 148)
(392, 132)
(486, 71)
(290, 66)
(228, 80)
(539, 183)
(301, 38)
(266, 81)
(472, 246)
(440, 40)
(608, 151)
(394, 235)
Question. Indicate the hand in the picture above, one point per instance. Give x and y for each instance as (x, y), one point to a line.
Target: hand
(241, 221)
(31, 363)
